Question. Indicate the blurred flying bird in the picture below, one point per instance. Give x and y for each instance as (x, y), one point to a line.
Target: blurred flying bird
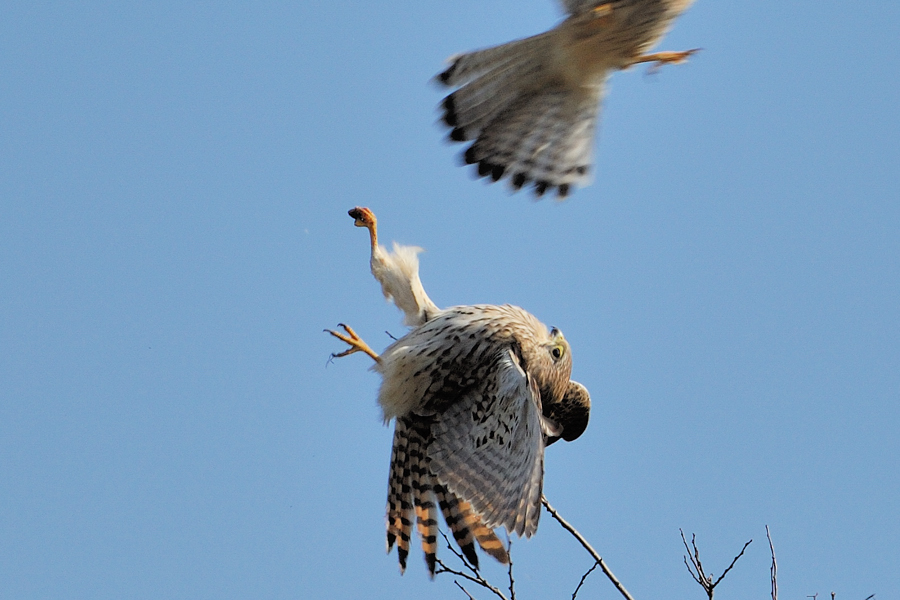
(531, 106)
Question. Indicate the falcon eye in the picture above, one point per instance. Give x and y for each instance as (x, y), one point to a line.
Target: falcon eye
(557, 352)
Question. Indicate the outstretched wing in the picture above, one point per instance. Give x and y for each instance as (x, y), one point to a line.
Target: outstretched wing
(527, 120)
(488, 448)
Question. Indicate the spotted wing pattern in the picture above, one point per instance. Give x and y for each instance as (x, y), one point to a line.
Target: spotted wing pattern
(488, 448)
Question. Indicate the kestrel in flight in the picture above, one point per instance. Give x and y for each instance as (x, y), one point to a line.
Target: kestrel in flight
(476, 392)
(531, 106)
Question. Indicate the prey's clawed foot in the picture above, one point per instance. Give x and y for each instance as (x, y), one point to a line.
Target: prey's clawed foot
(354, 341)
(665, 58)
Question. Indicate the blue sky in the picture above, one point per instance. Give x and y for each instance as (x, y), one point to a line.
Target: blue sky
(174, 181)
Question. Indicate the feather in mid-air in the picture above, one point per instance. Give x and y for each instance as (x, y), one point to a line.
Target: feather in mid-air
(531, 106)
(477, 393)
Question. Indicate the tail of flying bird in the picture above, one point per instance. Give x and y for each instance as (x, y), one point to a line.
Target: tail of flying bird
(529, 122)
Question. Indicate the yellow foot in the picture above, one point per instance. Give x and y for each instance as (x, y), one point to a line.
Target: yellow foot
(354, 341)
(604, 10)
(665, 58)
(596, 19)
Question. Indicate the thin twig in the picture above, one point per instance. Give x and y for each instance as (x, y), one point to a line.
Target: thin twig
(586, 546)
(740, 554)
(457, 553)
(512, 583)
(464, 590)
(475, 577)
(700, 577)
(697, 573)
(774, 569)
(692, 573)
(583, 579)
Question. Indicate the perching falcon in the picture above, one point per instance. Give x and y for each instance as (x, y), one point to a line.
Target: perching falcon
(531, 105)
(477, 393)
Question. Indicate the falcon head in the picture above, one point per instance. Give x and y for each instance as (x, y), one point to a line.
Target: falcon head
(571, 413)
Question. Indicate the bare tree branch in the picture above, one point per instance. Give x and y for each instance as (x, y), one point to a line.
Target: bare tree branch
(587, 547)
(464, 590)
(474, 577)
(700, 577)
(774, 569)
(740, 554)
(698, 574)
(512, 583)
(583, 579)
(691, 571)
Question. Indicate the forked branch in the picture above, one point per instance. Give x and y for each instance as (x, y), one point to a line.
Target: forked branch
(695, 568)
(472, 573)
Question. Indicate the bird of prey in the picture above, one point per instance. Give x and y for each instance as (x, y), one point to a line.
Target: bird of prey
(476, 392)
(531, 105)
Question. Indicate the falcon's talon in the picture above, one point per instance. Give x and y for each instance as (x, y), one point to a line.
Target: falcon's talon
(354, 341)
(602, 14)
(665, 58)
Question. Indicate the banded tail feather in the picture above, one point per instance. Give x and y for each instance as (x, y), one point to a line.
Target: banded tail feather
(399, 504)
(423, 500)
(415, 493)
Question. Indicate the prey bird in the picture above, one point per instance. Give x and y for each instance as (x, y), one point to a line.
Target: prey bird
(476, 393)
(530, 106)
